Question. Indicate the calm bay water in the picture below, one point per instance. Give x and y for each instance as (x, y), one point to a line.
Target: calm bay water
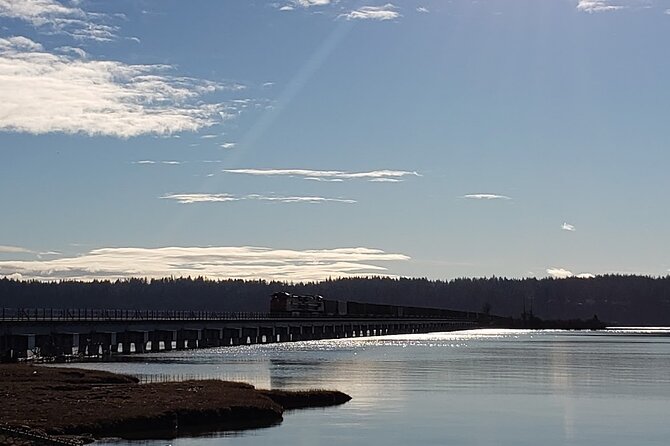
(481, 387)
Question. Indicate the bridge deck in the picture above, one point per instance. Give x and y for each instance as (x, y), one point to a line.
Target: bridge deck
(94, 332)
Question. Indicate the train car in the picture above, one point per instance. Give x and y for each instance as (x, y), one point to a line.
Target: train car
(295, 305)
(283, 303)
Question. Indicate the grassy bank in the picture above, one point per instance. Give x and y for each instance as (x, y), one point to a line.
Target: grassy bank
(87, 404)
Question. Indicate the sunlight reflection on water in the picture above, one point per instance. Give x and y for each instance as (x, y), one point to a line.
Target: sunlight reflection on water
(470, 387)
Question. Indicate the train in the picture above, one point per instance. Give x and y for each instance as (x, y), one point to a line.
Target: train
(286, 304)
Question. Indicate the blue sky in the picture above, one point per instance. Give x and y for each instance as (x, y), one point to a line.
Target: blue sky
(305, 139)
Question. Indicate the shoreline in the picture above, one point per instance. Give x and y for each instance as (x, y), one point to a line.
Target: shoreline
(82, 405)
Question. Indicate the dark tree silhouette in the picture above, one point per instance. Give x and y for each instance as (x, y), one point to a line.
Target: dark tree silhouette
(614, 298)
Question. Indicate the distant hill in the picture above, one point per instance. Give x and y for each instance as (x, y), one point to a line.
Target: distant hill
(623, 300)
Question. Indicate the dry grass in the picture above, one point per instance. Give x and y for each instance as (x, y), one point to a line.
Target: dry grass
(71, 401)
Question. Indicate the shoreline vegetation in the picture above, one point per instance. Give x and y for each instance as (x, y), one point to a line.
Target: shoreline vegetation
(76, 406)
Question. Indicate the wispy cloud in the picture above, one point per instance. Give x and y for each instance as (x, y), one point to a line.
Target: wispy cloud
(14, 249)
(592, 6)
(228, 145)
(222, 198)
(422, 9)
(568, 227)
(242, 262)
(200, 198)
(385, 12)
(58, 18)
(561, 273)
(386, 180)
(44, 92)
(375, 175)
(299, 199)
(308, 3)
(327, 180)
(166, 162)
(293, 4)
(486, 197)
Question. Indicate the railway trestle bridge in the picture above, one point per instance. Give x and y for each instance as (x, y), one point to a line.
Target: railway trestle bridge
(57, 333)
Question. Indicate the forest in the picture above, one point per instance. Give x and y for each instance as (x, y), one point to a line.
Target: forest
(615, 299)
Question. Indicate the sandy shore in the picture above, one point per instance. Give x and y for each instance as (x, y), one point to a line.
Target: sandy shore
(82, 404)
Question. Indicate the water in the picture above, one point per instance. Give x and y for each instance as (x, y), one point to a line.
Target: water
(482, 387)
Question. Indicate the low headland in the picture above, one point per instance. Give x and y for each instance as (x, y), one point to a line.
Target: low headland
(74, 406)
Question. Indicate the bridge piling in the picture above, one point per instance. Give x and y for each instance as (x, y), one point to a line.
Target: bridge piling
(188, 338)
(212, 337)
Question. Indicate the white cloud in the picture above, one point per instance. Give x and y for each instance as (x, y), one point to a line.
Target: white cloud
(242, 262)
(486, 197)
(308, 3)
(149, 162)
(13, 249)
(666, 12)
(385, 12)
(220, 198)
(210, 136)
(56, 17)
(228, 145)
(328, 180)
(200, 198)
(44, 92)
(375, 175)
(592, 6)
(303, 4)
(561, 273)
(299, 199)
(422, 9)
(19, 43)
(386, 180)
(568, 227)
(72, 50)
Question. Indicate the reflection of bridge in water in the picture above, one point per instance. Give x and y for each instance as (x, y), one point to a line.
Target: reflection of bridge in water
(96, 332)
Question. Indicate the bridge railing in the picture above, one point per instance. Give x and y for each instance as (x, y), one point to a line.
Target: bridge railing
(121, 315)
(99, 315)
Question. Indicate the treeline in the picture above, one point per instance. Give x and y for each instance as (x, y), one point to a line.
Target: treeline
(617, 299)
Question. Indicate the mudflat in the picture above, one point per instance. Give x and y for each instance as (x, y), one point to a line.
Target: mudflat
(87, 404)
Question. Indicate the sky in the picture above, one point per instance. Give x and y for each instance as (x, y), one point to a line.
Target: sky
(300, 140)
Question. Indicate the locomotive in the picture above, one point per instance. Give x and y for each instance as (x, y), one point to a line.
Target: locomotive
(295, 305)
